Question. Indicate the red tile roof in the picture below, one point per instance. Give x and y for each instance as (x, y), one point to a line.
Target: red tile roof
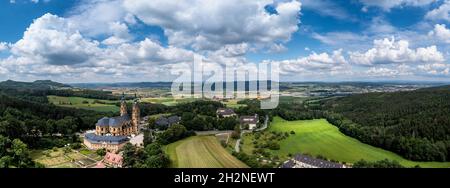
(113, 158)
(100, 165)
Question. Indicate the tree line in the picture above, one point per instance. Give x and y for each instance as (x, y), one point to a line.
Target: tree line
(43, 125)
(414, 124)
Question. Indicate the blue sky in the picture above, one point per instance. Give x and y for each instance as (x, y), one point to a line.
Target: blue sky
(138, 40)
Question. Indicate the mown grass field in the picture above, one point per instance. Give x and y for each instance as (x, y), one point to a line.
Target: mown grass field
(201, 152)
(84, 103)
(318, 137)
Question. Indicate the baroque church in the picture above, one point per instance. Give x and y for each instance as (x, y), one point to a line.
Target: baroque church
(112, 133)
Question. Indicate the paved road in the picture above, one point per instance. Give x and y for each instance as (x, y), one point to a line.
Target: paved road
(237, 147)
(264, 127)
(200, 133)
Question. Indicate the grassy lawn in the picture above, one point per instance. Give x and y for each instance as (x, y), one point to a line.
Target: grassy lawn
(201, 152)
(84, 103)
(318, 137)
(90, 153)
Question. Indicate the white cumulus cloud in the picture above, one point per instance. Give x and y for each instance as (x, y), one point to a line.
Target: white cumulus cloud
(441, 33)
(440, 13)
(52, 40)
(52, 45)
(323, 63)
(435, 68)
(3, 46)
(395, 71)
(209, 25)
(391, 51)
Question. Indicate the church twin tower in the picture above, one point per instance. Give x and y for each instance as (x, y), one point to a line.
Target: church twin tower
(135, 113)
(112, 133)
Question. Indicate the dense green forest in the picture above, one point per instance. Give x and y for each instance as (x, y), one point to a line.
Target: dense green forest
(40, 89)
(201, 115)
(414, 124)
(36, 85)
(42, 125)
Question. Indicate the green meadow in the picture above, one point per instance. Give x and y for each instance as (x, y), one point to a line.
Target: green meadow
(318, 137)
(84, 103)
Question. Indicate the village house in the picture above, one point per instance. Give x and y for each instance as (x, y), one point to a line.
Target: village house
(251, 121)
(166, 122)
(305, 161)
(225, 112)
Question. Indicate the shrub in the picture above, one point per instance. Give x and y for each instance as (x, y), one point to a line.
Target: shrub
(67, 150)
(235, 135)
(75, 146)
(101, 152)
(223, 143)
(273, 146)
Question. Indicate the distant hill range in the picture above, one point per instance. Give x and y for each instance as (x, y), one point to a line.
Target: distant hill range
(40, 89)
(160, 85)
(123, 85)
(36, 85)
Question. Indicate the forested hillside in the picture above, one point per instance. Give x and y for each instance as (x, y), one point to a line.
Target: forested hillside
(36, 85)
(38, 91)
(40, 124)
(415, 124)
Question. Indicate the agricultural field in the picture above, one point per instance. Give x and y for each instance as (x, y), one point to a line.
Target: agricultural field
(201, 152)
(84, 103)
(233, 103)
(168, 101)
(318, 137)
(58, 158)
(293, 100)
(143, 92)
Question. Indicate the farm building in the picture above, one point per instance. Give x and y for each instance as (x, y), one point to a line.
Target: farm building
(225, 112)
(251, 121)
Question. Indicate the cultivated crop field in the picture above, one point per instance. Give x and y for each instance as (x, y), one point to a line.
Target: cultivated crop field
(84, 103)
(318, 137)
(168, 101)
(201, 152)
